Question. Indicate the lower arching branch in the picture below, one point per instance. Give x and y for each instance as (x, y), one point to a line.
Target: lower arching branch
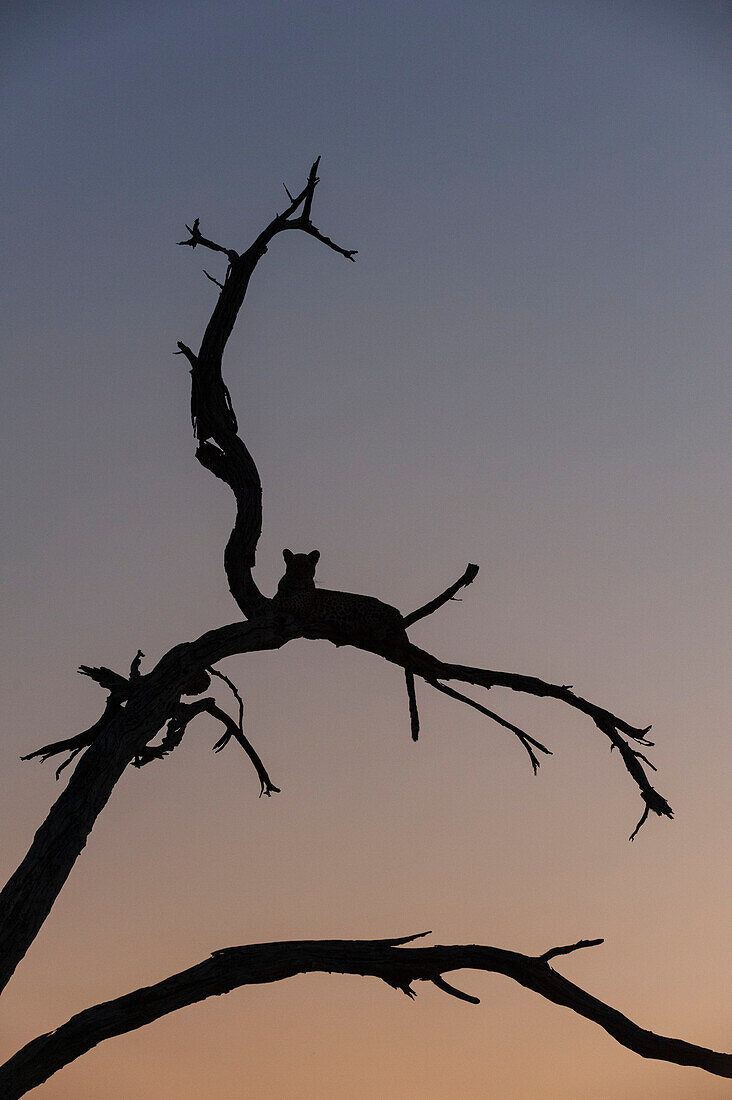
(388, 960)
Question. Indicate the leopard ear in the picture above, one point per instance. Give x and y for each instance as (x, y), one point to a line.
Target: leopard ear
(314, 556)
(288, 556)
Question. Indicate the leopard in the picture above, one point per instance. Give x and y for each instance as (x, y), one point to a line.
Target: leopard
(354, 619)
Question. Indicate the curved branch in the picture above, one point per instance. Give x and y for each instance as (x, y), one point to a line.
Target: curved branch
(211, 408)
(396, 965)
(553, 952)
(183, 715)
(233, 729)
(30, 893)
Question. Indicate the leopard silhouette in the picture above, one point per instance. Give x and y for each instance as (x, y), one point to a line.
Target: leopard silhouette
(353, 618)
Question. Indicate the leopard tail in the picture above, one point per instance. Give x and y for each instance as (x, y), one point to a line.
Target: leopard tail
(413, 712)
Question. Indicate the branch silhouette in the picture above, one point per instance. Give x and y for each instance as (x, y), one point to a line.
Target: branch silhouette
(387, 960)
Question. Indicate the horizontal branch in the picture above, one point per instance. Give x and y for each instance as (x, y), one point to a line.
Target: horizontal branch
(224, 642)
(432, 669)
(29, 895)
(388, 960)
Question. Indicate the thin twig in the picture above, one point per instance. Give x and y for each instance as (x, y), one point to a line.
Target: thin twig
(467, 578)
(197, 238)
(578, 946)
(213, 280)
(526, 739)
(453, 992)
(233, 730)
(233, 688)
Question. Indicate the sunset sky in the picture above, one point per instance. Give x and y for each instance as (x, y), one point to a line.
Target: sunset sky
(525, 368)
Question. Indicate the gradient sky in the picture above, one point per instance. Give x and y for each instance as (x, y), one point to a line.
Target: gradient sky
(525, 368)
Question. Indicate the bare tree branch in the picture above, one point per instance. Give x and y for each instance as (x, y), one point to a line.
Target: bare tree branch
(80, 740)
(616, 729)
(310, 191)
(196, 238)
(453, 992)
(114, 682)
(183, 716)
(211, 408)
(526, 740)
(31, 891)
(234, 730)
(467, 578)
(235, 692)
(309, 228)
(553, 952)
(398, 966)
(212, 279)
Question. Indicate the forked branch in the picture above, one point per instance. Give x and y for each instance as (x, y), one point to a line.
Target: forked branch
(387, 960)
(221, 450)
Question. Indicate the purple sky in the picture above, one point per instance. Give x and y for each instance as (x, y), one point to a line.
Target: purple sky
(525, 368)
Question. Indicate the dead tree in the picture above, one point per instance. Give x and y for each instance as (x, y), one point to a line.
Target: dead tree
(167, 698)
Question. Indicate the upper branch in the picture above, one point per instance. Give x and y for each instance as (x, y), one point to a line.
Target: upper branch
(211, 408)
(399, 967)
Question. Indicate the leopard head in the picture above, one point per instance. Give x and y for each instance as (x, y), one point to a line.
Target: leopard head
(299, 570)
